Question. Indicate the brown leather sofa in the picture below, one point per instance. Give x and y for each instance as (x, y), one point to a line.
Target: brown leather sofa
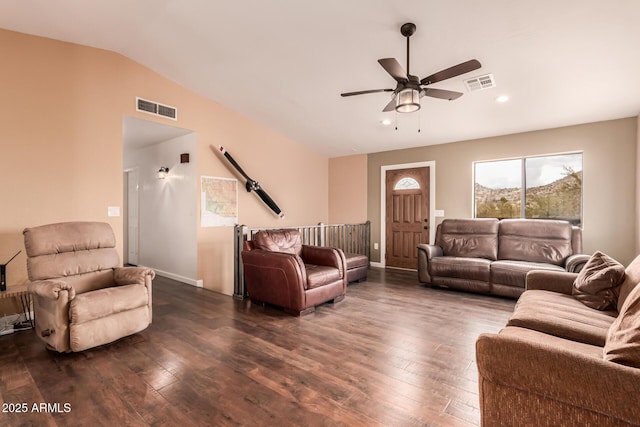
(82, 297)
(561, 363)
(492, 256)
(280, 270)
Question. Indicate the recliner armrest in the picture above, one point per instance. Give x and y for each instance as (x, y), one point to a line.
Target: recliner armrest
(51, 288)
(555, 281)
(575, 262)
(132, 275)
(425, 254)
(431, 251)
(320, 255)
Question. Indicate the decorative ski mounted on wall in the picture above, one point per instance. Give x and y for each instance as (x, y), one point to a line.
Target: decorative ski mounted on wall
(252, 185)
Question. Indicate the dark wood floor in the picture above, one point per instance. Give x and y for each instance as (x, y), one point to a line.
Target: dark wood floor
(393, 353)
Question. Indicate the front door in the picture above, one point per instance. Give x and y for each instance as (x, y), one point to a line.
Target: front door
(407, 215)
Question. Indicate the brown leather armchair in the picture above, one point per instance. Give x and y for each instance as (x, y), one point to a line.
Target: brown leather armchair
(280, 270)
(82, 298)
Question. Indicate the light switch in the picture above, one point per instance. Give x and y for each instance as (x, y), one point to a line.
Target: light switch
(439, 213)
(113, 211)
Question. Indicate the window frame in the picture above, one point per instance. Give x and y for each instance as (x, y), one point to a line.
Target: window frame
(523, 181)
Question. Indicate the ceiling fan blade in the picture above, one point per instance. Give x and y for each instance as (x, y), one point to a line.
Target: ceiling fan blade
(393, 67)
(441, 93)
(390, 106)
(456, 70)
(269, 202)
(362, 92)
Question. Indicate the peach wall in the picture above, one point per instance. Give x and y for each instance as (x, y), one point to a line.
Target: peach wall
(348, 189)
(61, 132)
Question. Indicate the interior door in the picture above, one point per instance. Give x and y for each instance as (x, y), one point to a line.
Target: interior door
(132, 217)
(407, 215)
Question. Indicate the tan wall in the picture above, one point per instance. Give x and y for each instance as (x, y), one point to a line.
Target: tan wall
(348, 189)
(62, 153)
(609, 197)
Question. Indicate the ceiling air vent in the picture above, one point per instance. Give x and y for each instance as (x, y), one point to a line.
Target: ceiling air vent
(480, 82)
(156, 109)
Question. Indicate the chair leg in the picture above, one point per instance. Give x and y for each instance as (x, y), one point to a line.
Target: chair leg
(338, 298)
(304, 312)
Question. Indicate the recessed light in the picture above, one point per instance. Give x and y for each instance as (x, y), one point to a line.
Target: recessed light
(502, 98)
(385, 122)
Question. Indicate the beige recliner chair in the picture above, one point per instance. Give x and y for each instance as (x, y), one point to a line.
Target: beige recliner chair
(82, 298)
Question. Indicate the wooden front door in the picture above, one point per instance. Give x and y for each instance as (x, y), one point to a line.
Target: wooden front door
(407, 215)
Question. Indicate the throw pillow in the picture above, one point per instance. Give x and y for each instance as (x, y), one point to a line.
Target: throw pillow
(623, 339)
(597, 283)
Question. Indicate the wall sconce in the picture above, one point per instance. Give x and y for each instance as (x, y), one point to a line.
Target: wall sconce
(163, 172)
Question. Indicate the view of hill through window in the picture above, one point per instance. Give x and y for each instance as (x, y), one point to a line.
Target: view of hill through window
(547, 186)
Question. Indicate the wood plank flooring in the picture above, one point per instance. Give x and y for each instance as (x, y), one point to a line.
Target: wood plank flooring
(393, 353)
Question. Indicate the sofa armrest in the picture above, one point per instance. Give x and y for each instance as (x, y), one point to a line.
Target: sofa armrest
(535, 377)
(556, 281)
(51, 289)
(425, 254)
(575, 263)
(320, 255)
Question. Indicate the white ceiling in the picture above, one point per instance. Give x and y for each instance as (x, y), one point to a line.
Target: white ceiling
(284, 63)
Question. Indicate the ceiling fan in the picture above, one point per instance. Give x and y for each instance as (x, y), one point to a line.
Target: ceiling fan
(409, 88)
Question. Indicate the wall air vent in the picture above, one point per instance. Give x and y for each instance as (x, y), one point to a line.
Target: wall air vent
(485, 81)
(156, 109)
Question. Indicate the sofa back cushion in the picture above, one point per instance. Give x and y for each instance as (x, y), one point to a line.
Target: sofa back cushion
(69, 249)
(285, 240)
(535, 240)
(623, 339)
(631, 279)
(470, 238)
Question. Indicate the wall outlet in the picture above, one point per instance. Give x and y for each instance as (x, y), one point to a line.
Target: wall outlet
(376, 246)
(113, 211)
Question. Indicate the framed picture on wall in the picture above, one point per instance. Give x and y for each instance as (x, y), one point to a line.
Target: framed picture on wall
(219, 201)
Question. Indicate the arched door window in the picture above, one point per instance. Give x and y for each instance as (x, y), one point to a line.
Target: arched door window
(407, 183)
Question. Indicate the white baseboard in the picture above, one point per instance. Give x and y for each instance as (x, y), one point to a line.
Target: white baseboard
(377, 264)
(187, 280)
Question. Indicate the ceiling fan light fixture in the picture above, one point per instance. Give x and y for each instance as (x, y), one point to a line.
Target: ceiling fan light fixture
(408, 101)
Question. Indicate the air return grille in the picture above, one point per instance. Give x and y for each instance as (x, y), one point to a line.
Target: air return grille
(156, 109)
(481, 82)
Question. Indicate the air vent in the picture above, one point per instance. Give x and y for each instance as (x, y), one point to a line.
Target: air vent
(479, 83)
(156, 109)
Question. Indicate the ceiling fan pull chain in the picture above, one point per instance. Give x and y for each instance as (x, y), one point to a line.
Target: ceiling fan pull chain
(419, 123)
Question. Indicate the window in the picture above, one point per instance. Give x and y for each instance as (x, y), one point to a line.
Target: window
(548, 187)
(407, 184)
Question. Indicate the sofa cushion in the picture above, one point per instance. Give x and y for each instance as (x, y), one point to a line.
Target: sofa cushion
(535, 240)
(597, 282)
(461, 268)
(563, 316)
(623, 340)
(287, 241)
(320, 275)
(470, 238)
(514, 273)
(631, 279)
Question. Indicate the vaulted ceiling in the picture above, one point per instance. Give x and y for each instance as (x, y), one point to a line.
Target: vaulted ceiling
(284, 63)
